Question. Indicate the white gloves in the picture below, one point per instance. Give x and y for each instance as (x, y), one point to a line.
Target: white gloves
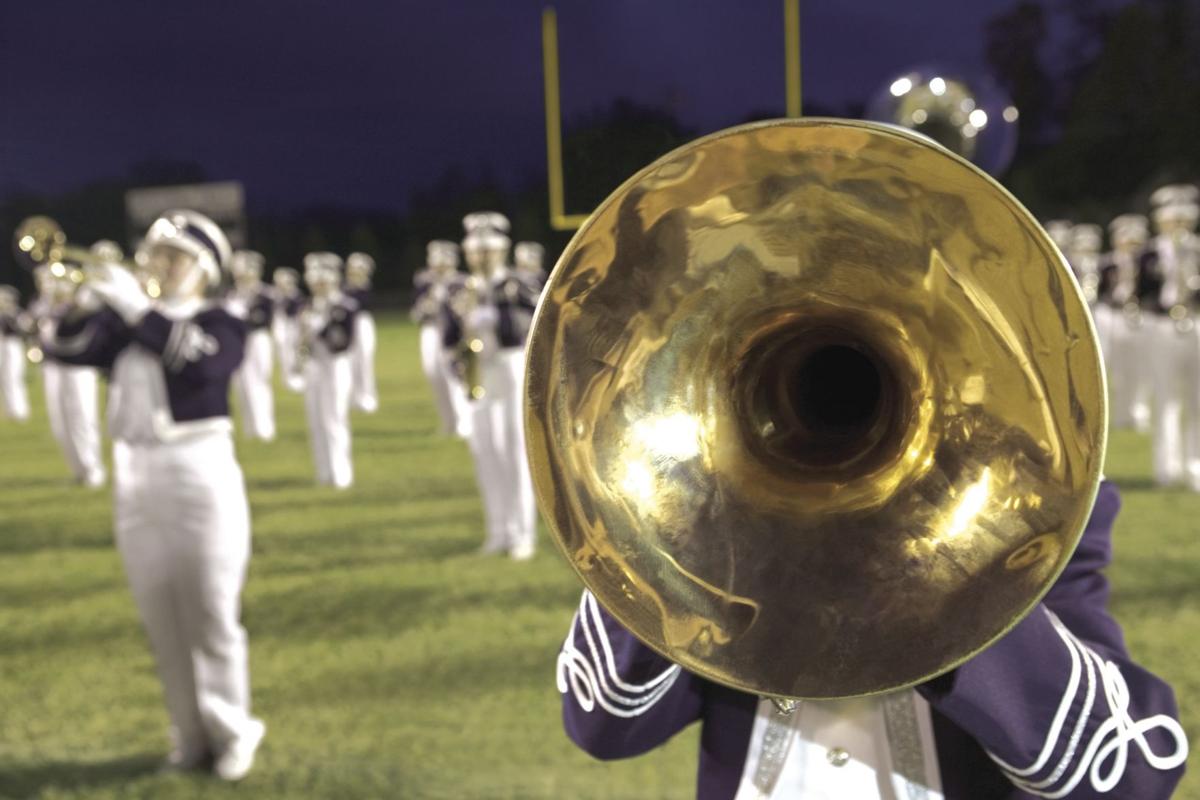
(120, 290)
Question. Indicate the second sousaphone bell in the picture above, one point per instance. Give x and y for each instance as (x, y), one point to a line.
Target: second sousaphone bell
(814, 408)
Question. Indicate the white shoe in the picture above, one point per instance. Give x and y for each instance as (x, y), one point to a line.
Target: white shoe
(235, 763)
(522, 552)
(94, 479)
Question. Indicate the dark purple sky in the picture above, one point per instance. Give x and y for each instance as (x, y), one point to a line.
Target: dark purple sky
(359, 102)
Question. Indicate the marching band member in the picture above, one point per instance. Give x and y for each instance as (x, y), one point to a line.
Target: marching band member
(12, 356)
(1056, 708)
(498, 315)
(180, 512)
(1130, 376)
(432, 286)
(327, 331)
(1174, 259)
(1060, 233)
(79, 395)
(359, 269)
(251, 301)
(285, 324)
(529, 258)
(51, 292)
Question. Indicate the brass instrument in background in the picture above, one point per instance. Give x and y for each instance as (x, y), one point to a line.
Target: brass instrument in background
(469, 354)
(973, 118)
(815, 408)
(41, 241)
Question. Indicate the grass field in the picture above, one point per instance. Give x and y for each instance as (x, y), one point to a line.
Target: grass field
(387, 658)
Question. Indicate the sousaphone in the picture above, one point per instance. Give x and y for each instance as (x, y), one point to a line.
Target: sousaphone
(815, 408)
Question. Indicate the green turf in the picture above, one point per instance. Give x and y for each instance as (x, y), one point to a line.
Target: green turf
(388, 659)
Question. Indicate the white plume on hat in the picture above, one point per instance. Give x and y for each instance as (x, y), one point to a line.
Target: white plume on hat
(193, 233)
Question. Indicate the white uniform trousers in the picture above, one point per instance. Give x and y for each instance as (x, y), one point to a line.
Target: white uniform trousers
(52, 395)
(285, 331)
(252, 387)
(497, 441)
(1176, 361)
(1129, 357)
(183, 531)
(362, 357)
(437, 372)
(12, 378)
(328, 384)
(80, 419)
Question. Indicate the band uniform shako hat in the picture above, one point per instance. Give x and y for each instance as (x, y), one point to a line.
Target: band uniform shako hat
(485, 221)
(108, 250)
(1175, 193)
(360, 261)
(1087, 238)
(196, 234)
(1060, 231)
(1179, 211)
(441, 250)
(246, 262)
(530, 253)
(494, 240)
(1129, 226)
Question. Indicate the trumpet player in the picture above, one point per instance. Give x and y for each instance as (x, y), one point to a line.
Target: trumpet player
(180, 512)
(433, 285)
(251, 302)
(1174, 259)
(327, 331)
(79, 392)
(285, 324)
(360, 267)
(1127, 340)
(13, 394)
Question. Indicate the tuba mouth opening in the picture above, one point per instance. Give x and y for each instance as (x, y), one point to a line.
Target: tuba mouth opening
(822, 399)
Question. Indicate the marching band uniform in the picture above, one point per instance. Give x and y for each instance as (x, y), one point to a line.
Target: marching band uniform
(285, 324)
(1127, 339)
(528, 258)
(181, 515)
(12, 357)
(359, 269)
(327, 327)
(1056, 708)
(79, 396)
(254, 303)
(1174, 259)
(432, 286)
(500, 315)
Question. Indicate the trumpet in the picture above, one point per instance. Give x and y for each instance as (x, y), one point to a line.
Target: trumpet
(40, 241)
(814, 408)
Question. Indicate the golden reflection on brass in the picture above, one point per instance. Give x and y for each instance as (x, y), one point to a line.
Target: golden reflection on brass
(814, 408)
(40, 240)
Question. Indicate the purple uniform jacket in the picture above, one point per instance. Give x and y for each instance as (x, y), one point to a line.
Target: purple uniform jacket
(259, 310)
(515, 297)
(1056, 698)
(199, 354)
(360, 296)
(338, 333)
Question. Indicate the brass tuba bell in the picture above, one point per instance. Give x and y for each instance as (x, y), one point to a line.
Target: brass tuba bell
(814, 408)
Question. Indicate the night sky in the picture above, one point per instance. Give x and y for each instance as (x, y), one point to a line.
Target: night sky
(360, 102)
